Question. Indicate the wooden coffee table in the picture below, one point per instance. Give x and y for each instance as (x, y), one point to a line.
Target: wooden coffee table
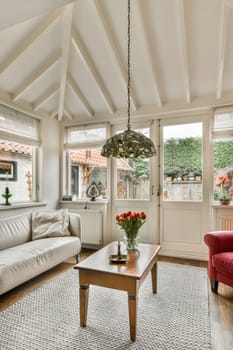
(97, 269)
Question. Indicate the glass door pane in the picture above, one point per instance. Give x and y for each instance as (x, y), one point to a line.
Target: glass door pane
(182, 162)
(133, 176)
(223, 169)
(133, 180)
(88, 174)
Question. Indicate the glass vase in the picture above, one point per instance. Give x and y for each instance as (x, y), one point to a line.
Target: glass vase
(132, 239)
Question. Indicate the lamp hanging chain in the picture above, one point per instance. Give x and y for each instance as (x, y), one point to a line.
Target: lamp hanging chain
(128, 85)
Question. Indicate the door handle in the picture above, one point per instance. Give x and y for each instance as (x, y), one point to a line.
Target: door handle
(152, 190)
(159, 191)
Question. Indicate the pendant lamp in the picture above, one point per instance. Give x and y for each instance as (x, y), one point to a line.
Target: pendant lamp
(129, 143)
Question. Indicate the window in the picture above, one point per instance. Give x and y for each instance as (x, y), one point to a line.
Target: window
(19, 139)
(223, 151)
(87, 169)
(88, 175)
(133, 176)
(182, 162)
(16, 164)
(75, 135)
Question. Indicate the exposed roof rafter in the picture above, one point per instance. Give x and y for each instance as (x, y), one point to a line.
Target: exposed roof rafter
(182, 32)
(179, 64)
(148, 54)
(80, 96)
(35, 34)
(22, 106)
(53, 114)
(222, 46)
(8, 17)
(112, 42)
(87, 60)
(66, 40)
(50, 63)
(68, 114)
(45, 97)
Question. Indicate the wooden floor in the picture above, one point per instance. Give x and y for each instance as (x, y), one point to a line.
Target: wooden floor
(221, 304)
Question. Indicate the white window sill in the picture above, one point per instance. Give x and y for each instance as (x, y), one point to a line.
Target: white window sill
(22, 205)
(87, 201)
(226, 206)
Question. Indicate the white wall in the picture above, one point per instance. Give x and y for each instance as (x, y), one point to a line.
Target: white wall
(51, 156)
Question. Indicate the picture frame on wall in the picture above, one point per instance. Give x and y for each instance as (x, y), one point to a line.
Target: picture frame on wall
(8, 170)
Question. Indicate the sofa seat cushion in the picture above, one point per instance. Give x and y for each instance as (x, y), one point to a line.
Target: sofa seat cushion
(23, 262)
(223, 262)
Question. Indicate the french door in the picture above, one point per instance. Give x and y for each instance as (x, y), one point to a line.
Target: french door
(135, 184)
(184, 203)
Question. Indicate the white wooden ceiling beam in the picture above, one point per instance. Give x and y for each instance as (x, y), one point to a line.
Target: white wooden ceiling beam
(53, 114)
(222, 47)
(205, 103)
(21, 106)
(139, 17)
(66, 40)
(80, 96)
(45, 97)
(13, 12)
(68, 114)
(35, 34)
(112, 42)
(195, 107)
(50, 63)
(184, 64)
(87, 60)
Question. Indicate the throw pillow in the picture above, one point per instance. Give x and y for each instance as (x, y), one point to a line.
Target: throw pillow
(50, 224)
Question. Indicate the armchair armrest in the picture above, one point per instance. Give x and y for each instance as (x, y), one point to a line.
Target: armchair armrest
(74, 224)
(219, 241)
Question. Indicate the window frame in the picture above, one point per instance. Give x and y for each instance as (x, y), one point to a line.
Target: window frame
(219, 134)
(33, 140)
(72, 146)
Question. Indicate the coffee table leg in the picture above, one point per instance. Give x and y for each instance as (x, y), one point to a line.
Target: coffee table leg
(83, 295)
(154, 278)
(132, 305)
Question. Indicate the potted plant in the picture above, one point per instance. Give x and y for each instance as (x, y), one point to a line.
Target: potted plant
(223, 185)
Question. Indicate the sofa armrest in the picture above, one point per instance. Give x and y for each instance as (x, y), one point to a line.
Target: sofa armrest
(219, 241)
(74, 224)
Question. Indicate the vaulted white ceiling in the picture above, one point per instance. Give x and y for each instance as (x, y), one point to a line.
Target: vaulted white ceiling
(68, 59)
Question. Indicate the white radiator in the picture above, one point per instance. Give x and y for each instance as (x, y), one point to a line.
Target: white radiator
(91, 225)
(227, 223)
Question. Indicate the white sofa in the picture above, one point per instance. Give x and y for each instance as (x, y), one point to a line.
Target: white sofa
(32, 243)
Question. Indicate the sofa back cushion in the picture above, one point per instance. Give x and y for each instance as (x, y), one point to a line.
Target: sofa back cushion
(50, 224)
(15, 230)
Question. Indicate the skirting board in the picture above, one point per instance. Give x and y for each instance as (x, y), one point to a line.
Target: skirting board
(185, 255)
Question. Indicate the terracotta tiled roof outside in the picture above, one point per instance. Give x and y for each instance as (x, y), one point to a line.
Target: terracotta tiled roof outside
(4, 166)
(14, 147)
(80, 157)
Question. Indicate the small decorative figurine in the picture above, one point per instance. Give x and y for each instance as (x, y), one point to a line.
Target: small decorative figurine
(7, 195)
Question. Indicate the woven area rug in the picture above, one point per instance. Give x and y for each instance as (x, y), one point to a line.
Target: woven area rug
(177, 317)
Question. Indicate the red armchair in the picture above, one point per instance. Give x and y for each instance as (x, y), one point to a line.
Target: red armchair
(220, 264)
